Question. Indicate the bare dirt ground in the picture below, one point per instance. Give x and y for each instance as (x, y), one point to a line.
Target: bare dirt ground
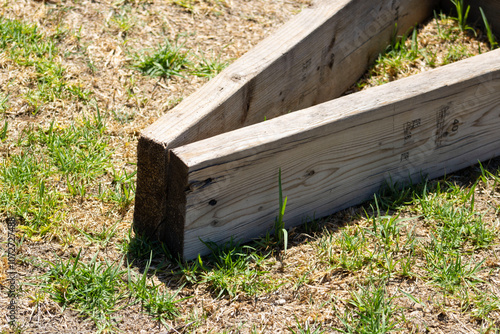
(97, 42)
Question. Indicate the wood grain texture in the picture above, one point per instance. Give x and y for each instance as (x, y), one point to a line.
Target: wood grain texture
(491, 9)
(338, 153)
(311, 59)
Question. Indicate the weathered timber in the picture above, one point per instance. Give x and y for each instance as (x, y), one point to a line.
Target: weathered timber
(491, 9)
(336, 154)
(313, 58)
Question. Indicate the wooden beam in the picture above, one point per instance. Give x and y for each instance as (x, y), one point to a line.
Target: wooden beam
(336, 154)
(313, 58)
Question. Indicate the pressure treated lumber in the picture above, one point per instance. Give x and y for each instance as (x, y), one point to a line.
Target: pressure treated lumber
(336, 154)
(313, 58)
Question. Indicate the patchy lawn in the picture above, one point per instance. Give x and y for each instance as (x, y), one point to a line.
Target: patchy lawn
(80, 79)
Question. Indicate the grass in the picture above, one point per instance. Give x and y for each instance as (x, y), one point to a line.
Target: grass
(94, 289)
(347, 250)
(384, 247)
(98, 289)
(154, 299)
(421, 251)
(172, 60)
(199, 6)
(448, 271)
(422, 49)
(458, 224)
(26, 46)
(370, 310)
(209, 66)
(31, 196)
(166, 61)
(54, 164)
(280, 232)
(232, 270)
(306, 328)
(122, 22)
(491, 38)
(102, 238)
(462, 15)
(3, 102)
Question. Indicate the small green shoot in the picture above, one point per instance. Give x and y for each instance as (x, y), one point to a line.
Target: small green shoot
(279, 226)
(306, 328)
(491, 38)
(462, 15)
(3, 102)
(437, 23)
(3, 131)
(122, 22)
(103, 237)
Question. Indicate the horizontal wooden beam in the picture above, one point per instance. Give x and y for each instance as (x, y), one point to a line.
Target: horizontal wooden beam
(335, 154)
(311, 59)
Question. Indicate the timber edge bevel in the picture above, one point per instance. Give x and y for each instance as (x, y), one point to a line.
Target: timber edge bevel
(311, 59)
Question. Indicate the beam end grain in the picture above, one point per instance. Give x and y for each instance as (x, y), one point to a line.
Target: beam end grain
(172, 229)
(151, 188)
